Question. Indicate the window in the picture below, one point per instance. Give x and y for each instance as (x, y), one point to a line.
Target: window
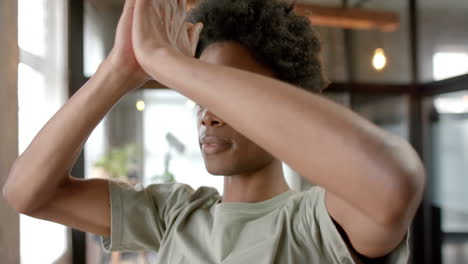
(449, 130)
(449, 64)
(41, 92)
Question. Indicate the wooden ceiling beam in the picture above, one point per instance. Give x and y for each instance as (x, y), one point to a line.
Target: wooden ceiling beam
(351, 18)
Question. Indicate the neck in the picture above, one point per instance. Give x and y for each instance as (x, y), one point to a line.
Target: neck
(257, 186)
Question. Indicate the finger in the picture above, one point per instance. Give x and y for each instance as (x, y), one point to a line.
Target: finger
(128, 8)
(140, 5)
(125, 11)
(126, 16)
(138, 11)
(129, 4)
(182, 4)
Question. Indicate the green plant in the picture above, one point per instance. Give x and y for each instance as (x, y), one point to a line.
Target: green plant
(118, 161)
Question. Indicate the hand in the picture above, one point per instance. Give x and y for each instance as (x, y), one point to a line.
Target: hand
(161, 24)
(122, 55)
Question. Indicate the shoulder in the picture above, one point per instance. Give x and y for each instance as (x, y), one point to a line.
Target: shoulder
(180, 193)
(160, 193)
(312, 197)
(316, 227)
(320, 229)
(164, 189)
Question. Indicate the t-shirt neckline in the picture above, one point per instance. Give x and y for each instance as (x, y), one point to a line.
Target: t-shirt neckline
(269, 204)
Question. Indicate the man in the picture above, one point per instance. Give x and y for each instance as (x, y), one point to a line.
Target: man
(252, 114)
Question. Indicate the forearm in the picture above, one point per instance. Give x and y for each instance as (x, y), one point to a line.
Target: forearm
(325, 142)
(45, 164)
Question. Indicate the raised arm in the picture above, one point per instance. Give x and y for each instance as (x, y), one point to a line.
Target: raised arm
(39, 183)
(374, 180)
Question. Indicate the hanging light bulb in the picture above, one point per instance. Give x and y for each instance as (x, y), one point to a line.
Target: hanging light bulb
(140, 105)
(379, 61)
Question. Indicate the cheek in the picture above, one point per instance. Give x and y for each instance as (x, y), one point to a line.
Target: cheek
(250, 149)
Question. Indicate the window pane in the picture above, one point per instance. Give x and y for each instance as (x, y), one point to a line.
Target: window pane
(442, 28)
(450, 153)
(100, 21)
(34, 111)
(450, 64)
(32, 26)
(31, 93)
(455, 252)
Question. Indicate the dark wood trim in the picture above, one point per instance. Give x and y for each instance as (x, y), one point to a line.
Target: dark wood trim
(455, 237)
(414, 41)
(75, 81)
(455, 84)
(421, 220)
(369, 88)
(349, 50)
(75, 46)
(426, 243)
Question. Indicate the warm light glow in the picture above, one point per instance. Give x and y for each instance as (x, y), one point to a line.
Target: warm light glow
(140, 105)
(379, 61)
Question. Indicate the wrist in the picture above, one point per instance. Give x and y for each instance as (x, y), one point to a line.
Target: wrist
(128, 78)
(158, 59)
(117, 64)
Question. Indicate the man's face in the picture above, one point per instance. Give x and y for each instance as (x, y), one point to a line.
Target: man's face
(226, 151)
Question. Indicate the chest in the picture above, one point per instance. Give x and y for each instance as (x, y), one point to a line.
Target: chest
(230, 237)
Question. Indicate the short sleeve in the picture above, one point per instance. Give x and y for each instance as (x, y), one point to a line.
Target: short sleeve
(327, 238)
(139, 215)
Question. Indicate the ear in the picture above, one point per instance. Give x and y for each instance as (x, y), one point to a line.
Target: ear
(194, 32)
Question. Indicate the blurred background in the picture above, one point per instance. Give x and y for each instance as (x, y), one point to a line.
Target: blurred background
(403, 64)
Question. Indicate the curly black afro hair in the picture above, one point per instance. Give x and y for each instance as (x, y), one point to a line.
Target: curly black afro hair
(276, 36)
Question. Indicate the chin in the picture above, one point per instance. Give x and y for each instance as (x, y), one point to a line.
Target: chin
(219, 165)
(218, 170)
(223, 167)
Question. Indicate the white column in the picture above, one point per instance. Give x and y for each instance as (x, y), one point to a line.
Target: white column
(9, 219)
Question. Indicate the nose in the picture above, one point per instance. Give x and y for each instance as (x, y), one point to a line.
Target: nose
(210, 119)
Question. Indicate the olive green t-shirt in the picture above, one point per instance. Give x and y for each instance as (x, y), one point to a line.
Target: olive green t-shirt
(194, 227)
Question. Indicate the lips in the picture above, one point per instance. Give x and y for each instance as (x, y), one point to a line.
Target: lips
(213, 144)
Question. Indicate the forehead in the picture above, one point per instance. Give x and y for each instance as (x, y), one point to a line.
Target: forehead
(233, 55)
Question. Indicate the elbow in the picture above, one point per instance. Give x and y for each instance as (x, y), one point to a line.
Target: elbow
(412, 177)
(14, 194)
(18, 202)
(402, 208)
(407, 188)
(26, 194)
(11, 198)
